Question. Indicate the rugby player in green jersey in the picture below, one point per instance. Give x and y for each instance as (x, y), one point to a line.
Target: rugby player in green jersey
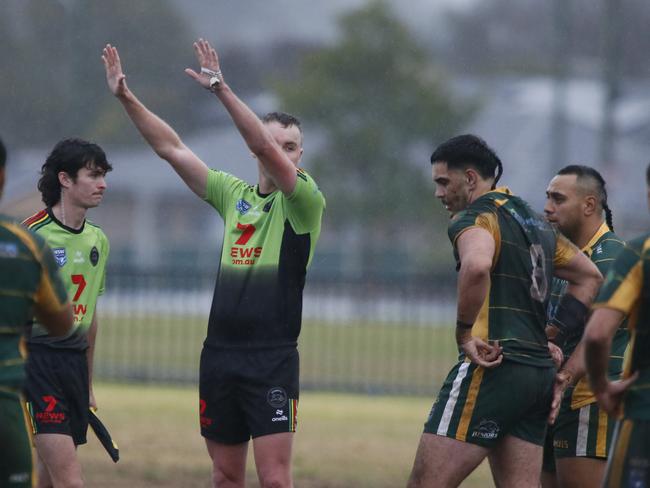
(625, 293)
(496, 400)
(29, 285)
(59, 370)
(248, 385)
(578, 440)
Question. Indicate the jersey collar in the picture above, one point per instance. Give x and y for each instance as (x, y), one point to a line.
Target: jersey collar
(602, 230)
(502, 189)
(60, 224)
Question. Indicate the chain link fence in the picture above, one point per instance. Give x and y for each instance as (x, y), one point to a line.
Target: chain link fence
(375, 337)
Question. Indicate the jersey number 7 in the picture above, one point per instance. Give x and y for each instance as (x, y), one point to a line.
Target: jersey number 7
(81, 285)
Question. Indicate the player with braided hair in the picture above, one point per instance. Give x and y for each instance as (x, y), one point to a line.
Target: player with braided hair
(506, 256)
(578, 442)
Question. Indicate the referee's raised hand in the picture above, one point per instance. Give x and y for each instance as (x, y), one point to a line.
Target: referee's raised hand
(115, 77)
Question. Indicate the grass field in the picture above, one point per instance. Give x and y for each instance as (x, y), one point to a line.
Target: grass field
(363, 357)
(343, 441)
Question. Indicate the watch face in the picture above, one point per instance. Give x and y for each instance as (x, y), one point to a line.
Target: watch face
(214, 81)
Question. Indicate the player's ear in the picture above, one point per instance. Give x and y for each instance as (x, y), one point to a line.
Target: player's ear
(589, 205)
(64, 179)
(471, 178)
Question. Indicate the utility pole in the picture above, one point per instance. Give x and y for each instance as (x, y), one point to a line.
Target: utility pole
(611, 80)
(559, 123)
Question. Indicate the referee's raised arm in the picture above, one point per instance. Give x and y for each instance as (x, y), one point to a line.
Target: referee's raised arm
(277, 165)
(161, 137)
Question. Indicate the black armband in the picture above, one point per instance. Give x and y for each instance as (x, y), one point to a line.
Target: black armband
(463, 325)
(569, 318)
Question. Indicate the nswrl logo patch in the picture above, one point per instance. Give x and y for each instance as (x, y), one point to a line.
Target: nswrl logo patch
(60, 256)
(242, 206)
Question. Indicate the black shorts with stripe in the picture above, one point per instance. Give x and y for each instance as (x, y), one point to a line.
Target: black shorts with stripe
(248, 393)
(482, 406)
(57, 391)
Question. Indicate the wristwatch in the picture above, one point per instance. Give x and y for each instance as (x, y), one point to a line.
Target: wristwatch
(214, 82)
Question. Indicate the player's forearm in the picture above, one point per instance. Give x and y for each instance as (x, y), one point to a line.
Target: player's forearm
(597, 344)
(91, 336)
(160, 136)
(473, 286)
(597, 359)
(250, 126)
(258, 139)
(583, 277)
(575, 365)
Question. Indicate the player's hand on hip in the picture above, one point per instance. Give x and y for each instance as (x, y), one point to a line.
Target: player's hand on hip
(610, 399)
(208, 63)
(556, 354)
(480, 352)
(115, 77)
(562, 381)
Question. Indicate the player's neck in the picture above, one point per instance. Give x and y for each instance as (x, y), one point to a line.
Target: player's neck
(587, 232)
(482, 187)
(68, 214)
(265, 185)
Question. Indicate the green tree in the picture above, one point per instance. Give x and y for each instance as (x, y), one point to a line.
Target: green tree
(52, 75)
(381, 104)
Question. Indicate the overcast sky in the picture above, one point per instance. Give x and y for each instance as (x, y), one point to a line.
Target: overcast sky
(251, 22)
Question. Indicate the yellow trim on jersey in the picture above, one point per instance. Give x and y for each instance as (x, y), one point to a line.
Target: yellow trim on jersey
(602, 230)
(565, 251)
(626, 298)
(618, 456)
(45, 296)
(582, 394)
(481, 327)
(470, 403)
(488, 221)
(601, 434)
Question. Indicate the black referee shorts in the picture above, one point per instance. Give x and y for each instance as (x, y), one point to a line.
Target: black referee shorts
(248, 393)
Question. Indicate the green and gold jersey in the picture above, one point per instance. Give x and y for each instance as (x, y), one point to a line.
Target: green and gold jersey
(602, 249)
(81, 255)
(268, 243)
(627, 289)
(526, 250)
(28, 276)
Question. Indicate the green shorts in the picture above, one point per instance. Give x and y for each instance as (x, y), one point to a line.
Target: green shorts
(583, 432)
(629, 463)
(482, 406)
(15, 442)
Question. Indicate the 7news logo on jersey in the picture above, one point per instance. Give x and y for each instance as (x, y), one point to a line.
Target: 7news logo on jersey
(240, 252)
(79, 309)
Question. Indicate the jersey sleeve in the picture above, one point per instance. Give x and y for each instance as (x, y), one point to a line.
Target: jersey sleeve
(51, 296)
(220, 188)
(470, 218)
(305, 205)
(605, 254)
(623, 283)
(565, 250)
(106, 248)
